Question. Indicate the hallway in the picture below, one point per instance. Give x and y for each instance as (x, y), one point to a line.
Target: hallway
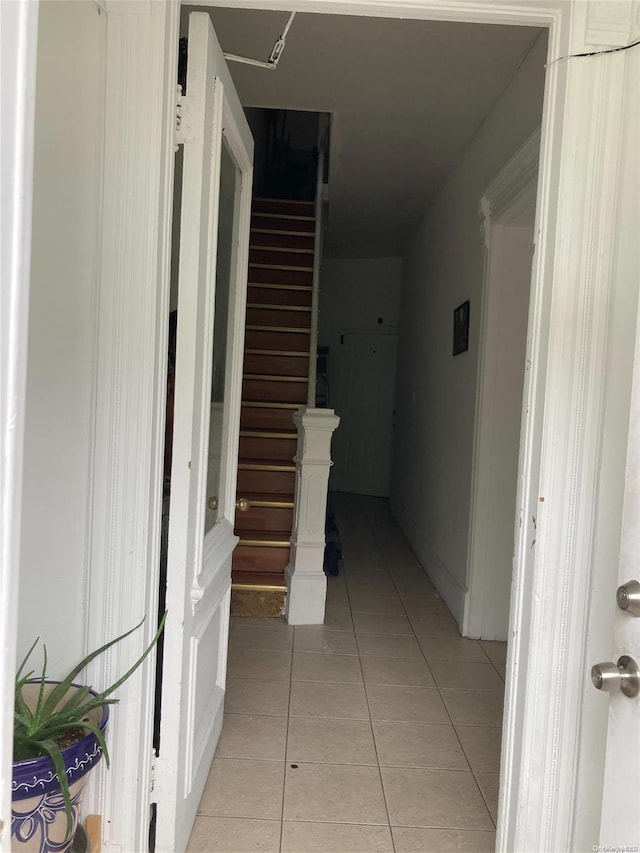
(378, 731)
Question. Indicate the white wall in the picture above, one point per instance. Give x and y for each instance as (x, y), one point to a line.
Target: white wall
(355, 293)
(60, 370)
(361, 295)
(430, 492)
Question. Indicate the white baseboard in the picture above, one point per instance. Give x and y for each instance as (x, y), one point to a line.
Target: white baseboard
(448, 587)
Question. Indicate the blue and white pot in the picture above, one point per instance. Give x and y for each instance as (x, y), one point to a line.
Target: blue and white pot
(38, 817)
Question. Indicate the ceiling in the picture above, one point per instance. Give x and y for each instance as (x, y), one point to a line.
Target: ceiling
(406, 97)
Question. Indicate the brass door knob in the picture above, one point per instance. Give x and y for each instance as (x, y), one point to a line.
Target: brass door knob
(212, 503)
(242, 504)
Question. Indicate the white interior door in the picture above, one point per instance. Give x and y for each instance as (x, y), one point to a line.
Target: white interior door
(620, 826)
(214, 236)
(364, 398)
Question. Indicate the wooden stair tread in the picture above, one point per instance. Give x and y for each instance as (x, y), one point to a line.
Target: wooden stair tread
(263, 465)
(286, 299)
(281, 232)
(257, 418)
(275, 464)
(267, 199)
(275, 482)
(300, 227)
(278, 352)
(261, 274)
(277, 538)
(289, 207)
(296, 250)
(258, 580)
(272, 215)
(261, 558)
(283, 324)
(296, 267)
(271, 306)
(268, 285)
(267, 499)
(270, 404)
(268, 377)
(298, 330)
(283, 392)
(268, 433)
(275, 365)
(294, 340)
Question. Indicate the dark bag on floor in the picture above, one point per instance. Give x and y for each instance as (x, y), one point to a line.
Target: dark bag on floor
(332, 548)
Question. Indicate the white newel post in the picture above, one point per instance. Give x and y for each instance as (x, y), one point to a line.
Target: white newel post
(306, 580)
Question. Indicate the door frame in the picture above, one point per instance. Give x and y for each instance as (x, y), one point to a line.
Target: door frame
(18, 46)
(564, 440)
(511, 192)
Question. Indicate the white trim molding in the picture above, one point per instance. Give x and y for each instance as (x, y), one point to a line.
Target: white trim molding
(131, 394)
(512, 192)
(514, 188)
(18, 47)
(574, 418)
(610, 24)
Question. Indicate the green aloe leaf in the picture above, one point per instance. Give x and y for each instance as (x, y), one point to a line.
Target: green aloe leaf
(64, 708)
(53, 751)
(129, 673)
(26, 658)
(58, 693)
(75, 700)
(22, 712)
(42, 680)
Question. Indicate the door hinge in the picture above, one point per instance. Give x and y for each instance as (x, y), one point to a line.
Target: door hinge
(153, 797)
(178, 115)
(158, 776)
(188, 124)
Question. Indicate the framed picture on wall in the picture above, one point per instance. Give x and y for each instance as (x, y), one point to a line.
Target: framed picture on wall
(461, 328)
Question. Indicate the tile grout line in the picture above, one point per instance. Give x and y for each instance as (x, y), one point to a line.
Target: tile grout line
(286, 741)
(384, 547)
(442, 698)
(493, 820)
(384, 558)
(415, 636)
(373, 736)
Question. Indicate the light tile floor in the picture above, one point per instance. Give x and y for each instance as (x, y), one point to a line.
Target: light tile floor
(379, 731)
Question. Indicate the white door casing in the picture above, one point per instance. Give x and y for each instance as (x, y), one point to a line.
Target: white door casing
(571, 476)
(581, 329)
(509, 199)
(18, 44)
(199, 556)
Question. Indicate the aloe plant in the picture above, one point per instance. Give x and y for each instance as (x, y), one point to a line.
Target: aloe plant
(64, 709)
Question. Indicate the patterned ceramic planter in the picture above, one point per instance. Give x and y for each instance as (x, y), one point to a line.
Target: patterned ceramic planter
(38, 818)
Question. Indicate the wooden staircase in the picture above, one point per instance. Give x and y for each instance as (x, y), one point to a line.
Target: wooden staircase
(275, 384)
